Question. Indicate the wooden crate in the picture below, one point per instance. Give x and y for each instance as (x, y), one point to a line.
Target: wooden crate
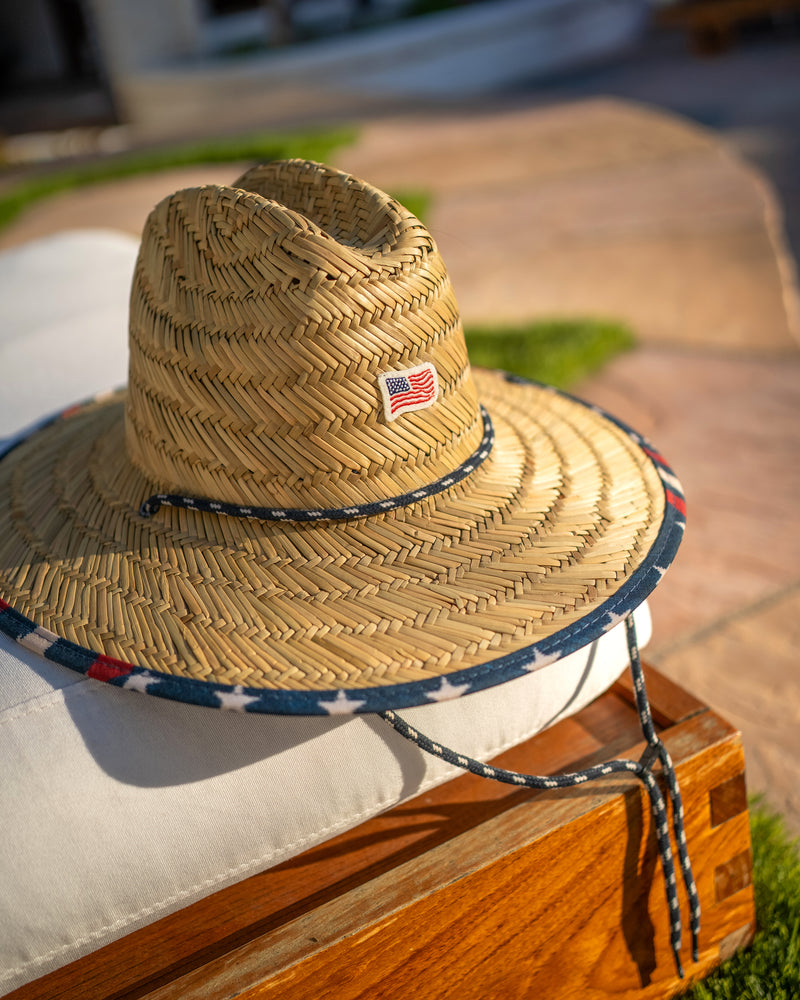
(475, 890)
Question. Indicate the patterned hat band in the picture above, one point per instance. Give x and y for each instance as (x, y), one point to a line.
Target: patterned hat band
(155, 502)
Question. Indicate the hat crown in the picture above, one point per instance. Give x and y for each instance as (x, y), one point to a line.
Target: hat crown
(262, 317)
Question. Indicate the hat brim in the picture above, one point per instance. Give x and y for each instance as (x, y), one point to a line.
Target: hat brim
(562, 531)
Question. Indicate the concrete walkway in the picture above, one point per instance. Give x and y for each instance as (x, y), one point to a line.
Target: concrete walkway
(606, 207)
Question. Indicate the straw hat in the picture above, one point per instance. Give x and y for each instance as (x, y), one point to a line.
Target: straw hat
(306, 501)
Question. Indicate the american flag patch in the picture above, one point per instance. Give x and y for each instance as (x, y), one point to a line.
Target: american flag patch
(412, 389)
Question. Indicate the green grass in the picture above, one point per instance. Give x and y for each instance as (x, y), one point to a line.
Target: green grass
(417, 202)
(770, 969)
(257, 147)
(559, 351)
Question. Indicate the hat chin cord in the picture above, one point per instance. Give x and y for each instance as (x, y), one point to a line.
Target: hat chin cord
(655, 751)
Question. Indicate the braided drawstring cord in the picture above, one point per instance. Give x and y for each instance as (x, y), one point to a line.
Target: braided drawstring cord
(154, 503)
(641, 768)
(656, 746)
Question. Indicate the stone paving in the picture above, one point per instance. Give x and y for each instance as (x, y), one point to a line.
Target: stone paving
(605, 207)
(569, 209)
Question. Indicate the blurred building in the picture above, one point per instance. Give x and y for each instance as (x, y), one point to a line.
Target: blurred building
(172, 67)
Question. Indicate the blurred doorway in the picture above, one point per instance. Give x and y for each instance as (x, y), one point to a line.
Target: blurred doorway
(51, 72)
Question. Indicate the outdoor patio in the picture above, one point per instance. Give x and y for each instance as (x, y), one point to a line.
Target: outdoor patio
(657, 189)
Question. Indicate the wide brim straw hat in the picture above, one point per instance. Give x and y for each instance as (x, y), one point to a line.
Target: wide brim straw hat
(307, 501)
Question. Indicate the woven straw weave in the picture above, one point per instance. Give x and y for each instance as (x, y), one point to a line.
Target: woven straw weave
(261, 317)
(257, 328)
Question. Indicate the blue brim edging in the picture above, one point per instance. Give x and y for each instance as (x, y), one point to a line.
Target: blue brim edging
(396, 696)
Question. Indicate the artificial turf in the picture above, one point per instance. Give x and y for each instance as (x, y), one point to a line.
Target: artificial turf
(559, 352)
(257, 147)
(770, 968)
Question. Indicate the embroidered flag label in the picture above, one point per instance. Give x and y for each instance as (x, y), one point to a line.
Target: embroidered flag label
(411, 389)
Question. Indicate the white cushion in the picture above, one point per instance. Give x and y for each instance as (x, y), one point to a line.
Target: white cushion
(120, 808)
(64, 330)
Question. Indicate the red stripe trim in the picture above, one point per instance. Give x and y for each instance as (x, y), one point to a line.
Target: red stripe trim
(3, 605)
(106, 669)
(654, 455)
(677, 502)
